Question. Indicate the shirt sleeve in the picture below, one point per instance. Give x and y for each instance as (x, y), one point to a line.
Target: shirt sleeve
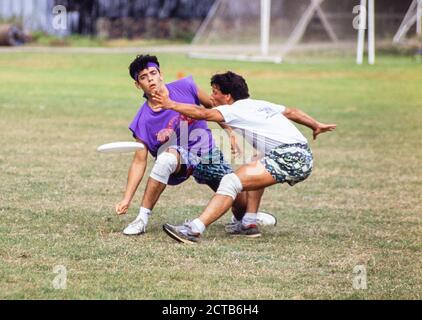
(226, 112)
(137, 127)
(278, 107)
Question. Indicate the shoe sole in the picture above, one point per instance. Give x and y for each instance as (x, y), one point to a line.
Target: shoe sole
(133, 235)
(252, 235)
(176, 237)
(246, 235)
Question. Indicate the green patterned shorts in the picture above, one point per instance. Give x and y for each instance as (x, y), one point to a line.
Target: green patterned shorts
(291, 163)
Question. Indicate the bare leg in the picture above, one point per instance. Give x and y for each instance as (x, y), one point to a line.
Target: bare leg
(154, 188)
(254, 200)
(239, 205)
(253, 177)
(153, 191)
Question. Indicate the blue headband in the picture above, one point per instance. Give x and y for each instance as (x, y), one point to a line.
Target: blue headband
(153, 65)
(149, 65)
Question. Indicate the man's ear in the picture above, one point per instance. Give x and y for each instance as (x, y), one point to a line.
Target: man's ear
(229, 99)
(137, 85)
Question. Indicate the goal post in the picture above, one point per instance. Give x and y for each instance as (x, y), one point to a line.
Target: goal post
(293, 30)
(265, 22)
(413, 16)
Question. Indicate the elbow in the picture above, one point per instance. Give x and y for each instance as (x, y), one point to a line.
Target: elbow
(290, 113)
(139, 162)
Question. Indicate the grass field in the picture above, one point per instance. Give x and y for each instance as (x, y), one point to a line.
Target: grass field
(361, 206)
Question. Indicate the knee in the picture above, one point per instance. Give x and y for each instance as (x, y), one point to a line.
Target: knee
(164, 166)
(230, 185)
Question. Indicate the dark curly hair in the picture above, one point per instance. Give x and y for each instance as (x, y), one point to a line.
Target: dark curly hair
(231, 83)
(140, 63)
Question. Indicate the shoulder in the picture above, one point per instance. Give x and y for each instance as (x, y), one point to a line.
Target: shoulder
(227, 112)
(143, 112)
(242, 104)
(184, 91)
(143, 108)
(182, 83)
(267, 104)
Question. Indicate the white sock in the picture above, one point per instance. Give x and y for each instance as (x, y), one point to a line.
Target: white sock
(144, 214)
(198, 226)
(234, 219)
(249, 219)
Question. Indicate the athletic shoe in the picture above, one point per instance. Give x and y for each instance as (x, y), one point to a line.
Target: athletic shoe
(266, 219)
(263, 219)
(237, 228)
(182, 233)
(137, 227)
(232, 226)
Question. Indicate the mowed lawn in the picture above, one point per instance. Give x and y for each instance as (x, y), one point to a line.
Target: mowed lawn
(361, 206)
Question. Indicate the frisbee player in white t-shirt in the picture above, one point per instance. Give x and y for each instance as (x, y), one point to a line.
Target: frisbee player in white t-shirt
(287, 156)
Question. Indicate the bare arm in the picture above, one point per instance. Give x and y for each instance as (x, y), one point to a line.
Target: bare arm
(194, 112)
(190, 110)
(135, 175)
(235, 148)
(301, 117)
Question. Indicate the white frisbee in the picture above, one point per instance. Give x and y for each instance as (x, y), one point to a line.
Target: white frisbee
(120, 147)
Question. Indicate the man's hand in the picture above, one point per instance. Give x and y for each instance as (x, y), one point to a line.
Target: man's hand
(235, 148)
(122, 207)
(161, 99)
(321, 128)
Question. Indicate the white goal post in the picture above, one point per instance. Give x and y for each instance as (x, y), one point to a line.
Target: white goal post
(265, 11)
(231, 30)
(413, 16)
(293, 30)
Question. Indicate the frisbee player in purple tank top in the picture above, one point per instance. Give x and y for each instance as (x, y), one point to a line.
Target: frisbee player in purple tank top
(182, 146)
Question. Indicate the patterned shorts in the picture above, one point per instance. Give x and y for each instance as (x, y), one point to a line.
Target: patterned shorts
(208, 169)
(291, 163)
(212, 169)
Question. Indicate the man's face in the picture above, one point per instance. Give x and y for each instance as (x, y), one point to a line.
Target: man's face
(150, 80)
(218, 98)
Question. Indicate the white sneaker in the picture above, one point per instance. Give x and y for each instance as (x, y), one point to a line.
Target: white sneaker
(266, 219)
(135, 228)
(262, 218)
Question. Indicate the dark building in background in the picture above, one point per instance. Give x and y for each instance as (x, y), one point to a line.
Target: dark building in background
(136, 18)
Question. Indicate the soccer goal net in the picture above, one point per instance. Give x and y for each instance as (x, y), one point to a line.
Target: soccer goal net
(283, 29)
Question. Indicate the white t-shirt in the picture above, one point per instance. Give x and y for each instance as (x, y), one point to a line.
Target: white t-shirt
(261, 123)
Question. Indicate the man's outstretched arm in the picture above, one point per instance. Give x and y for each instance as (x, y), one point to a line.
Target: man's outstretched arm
(189, 110)
(301, 117)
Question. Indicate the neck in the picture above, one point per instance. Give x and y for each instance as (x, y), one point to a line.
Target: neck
(153, 104)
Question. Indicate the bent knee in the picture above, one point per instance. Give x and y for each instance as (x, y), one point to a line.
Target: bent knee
(230, 185)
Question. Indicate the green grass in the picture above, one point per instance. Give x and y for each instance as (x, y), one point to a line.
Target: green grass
(361, 206)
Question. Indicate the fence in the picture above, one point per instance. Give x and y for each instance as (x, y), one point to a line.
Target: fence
(109, 17)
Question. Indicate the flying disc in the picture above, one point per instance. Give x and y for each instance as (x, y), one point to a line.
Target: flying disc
(120, 147)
